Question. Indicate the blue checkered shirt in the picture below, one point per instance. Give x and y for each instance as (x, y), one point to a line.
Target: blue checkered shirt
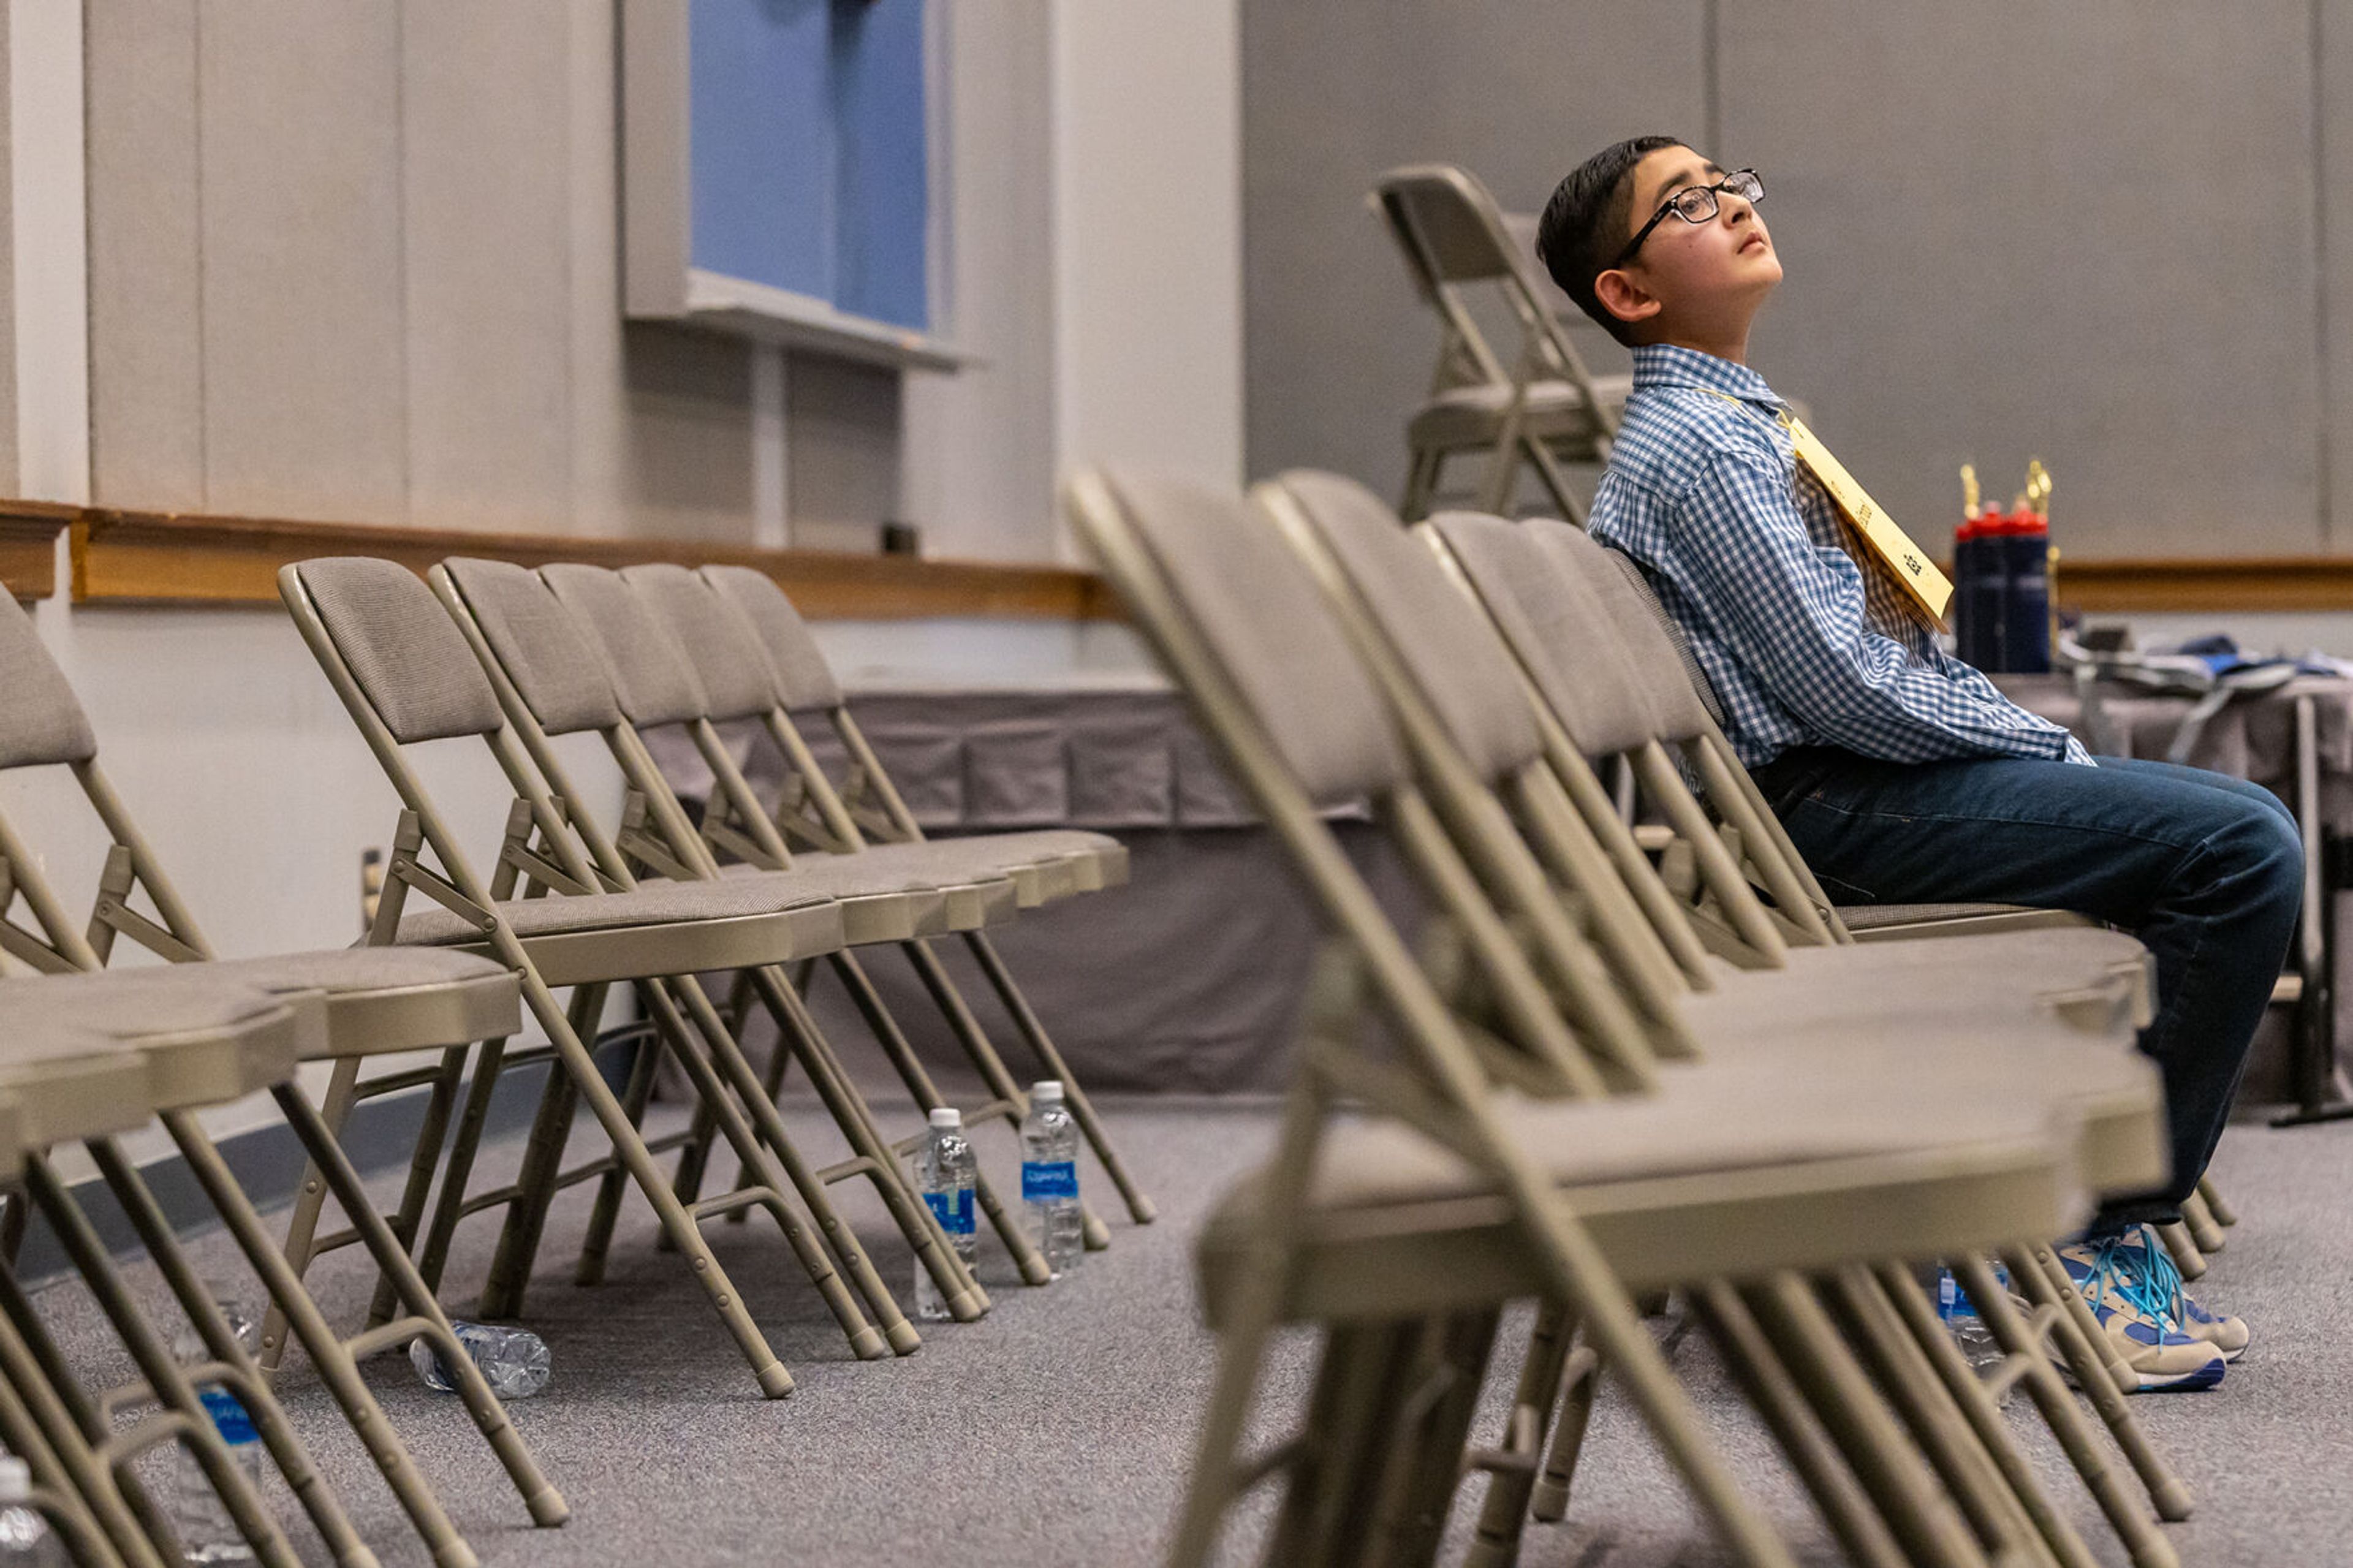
(1746, 551)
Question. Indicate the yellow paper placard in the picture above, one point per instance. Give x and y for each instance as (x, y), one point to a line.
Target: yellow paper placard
(1927, 589)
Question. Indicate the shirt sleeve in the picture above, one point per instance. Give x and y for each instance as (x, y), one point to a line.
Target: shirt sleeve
(1793, 612)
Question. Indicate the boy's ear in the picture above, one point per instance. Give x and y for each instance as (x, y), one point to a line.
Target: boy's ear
(1624, 296)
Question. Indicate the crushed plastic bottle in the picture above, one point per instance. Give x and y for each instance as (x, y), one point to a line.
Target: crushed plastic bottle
(1049, 1178)
(943, 1175)
(207, 1534)
(513, 1361)
(26, 1540)
(1961, 1319)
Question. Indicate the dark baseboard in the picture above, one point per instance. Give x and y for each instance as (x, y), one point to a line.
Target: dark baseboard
(267, 1164)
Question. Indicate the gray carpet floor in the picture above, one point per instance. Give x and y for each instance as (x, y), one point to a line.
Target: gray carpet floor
(1057, 1430)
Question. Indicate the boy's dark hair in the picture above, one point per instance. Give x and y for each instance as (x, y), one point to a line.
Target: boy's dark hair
(1589, 221)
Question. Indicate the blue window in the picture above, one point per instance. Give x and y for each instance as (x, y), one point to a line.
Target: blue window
(809, 150)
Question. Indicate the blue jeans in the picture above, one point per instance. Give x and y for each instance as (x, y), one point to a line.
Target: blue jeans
(2206, 870)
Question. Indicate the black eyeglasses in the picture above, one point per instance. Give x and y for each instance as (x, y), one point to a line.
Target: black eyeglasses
(1697, 205)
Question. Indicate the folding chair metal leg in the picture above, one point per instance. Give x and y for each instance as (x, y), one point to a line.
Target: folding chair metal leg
(2187, 1256)
(1890, 1470)
(458, 1172)
(1580, 1381)
(1420, 483)
(1033, 1033)
(424, 1159)
(45, 1420)
(604, 1213)
(1414, 1490)
(965, 1297)
(903, 1061)
(328, 1354)
(771, 1166)
(2041, 1379)
(2224, 1215)
(55, 1494)
(2201, 1224)
(543, 1163)
(2042, 1280)
(1350, 1413)
(310, 1200)
(423, 1313)
(1547, 467)
(167, 1383)
(1757, 1369)
(1504, 1513)
(245, 1379)
(1975, 1401)
(2010, 1523)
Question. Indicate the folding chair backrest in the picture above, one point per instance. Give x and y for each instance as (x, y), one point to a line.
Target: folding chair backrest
(727, 658)
(1450, 651)
(408, 659)
(1451, 227)
(1561, 632)
(651, 674)
(40, 721)
(1636, 622)
(1278, 644)
(803, 677)
(559, 675)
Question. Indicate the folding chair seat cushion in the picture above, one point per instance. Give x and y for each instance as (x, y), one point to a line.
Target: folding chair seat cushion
(2113, 1092)
(384, 999)
(1894, 921)
(204, 1040)
(1724, 1173)
(893, 900)
(661, 928)
(1555, 411)
(1057, 862)
(2068, 961)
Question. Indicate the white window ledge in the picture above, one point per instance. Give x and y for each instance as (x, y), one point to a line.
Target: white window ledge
(718, 302)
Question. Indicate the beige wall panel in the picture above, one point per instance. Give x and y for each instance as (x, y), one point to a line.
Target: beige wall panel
(8, 478)
(2334, 64)
(980, 443)
(2084, 232)
(485, 148)
(841, 422)
(599, 405)
(1337, 349)
(146, 382)
(687, 452)
(304, 380)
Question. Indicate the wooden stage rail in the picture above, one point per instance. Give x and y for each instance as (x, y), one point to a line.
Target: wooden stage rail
(121, 557)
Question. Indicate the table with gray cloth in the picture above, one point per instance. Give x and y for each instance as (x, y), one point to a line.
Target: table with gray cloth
(1187, 979)
(2254, 737)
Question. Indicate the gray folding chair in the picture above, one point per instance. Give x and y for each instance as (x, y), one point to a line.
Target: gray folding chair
(1441, 661)
(808, 811)
(404, 673)
(555, 675)
(1243, 632)
(1546, 407)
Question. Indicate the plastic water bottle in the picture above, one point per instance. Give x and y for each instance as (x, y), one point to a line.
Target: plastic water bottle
(1049, 1178)
(514, 1362)
(24, 1538)
(207, 1534)
(1961, 1319)
(943, 1175)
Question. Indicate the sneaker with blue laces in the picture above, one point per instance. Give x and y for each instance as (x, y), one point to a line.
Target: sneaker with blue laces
(2224, 1332)
(2118, 1283)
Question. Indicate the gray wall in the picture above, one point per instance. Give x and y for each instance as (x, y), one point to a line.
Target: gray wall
(2102, 234)
(359, 262)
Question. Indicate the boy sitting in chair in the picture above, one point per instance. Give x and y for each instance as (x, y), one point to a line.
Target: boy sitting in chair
(1902, 775)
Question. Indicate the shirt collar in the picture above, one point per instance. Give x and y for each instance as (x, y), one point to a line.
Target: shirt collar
(1664, 364)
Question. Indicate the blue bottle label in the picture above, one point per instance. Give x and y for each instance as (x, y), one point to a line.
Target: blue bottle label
(1044, 1180)
(952, 1210)
(229, 1419)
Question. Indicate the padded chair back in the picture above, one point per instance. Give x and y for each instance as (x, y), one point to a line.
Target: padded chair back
(803, 677)
(1275, 638)
(1636, 619)
(649, 670)
(1448, 225)
(40, 720)
(718, 642)
(1448, 647)
(406, 656)
(540, 647)
(1561, 633)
